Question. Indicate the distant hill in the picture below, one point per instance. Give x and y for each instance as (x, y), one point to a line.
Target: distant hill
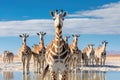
(113, 52)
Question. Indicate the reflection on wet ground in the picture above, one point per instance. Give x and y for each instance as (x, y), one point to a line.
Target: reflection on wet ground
(7, 75)
(81, 75)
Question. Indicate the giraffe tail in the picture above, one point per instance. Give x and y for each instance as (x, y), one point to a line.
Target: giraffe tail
(45, 71)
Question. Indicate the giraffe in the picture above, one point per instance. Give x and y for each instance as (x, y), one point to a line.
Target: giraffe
(8, 57)
(40, 52)
(57, 52)
(25, 53)
(100, 53)
(76, 54)
(4, 56)
(66, 39)
(88, 54)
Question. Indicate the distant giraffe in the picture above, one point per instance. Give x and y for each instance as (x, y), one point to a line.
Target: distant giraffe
(66, 39)
(25, 53)
(76, 55)
(57, 51)
(4, 56)
(40, 49)
(8, 57)
(88, 54)
(100, 53)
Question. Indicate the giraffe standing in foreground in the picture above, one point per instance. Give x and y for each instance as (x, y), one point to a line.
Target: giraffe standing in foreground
(88, 54)
(100, 54)
(76, 55)
(57, 51)
(25, 53)
(39, 57)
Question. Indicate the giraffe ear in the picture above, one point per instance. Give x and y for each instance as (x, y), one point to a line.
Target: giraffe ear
(56, 12)
(45, 33)
(65, 13)
(52, 14)
(38, 34)
(27, 36)
(106, 42)
(20, 35)
(72, 35)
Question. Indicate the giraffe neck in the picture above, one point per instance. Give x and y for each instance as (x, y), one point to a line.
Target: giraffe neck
(74, 44)
(41, 42)
(58, 40)
(24, 44)
(104, 47)
(58, 34)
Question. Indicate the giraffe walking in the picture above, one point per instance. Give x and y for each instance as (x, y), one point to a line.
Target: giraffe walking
(25, 53)
(100, 54)
(40, 49)
(57, 52)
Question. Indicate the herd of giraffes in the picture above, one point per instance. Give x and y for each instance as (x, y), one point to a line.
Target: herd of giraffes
(59, 57)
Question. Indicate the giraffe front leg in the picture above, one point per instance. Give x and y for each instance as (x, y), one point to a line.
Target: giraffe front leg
(104, 61)
(23, 61)
(101, 61)
(27, 66)
(52, 74)
(65, 75)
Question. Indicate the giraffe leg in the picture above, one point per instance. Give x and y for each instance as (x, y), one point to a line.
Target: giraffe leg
(39, 67)
(101, 61)
(104, 61)
(27, 66)
(23, 61)
(65, 75)
(52, 75)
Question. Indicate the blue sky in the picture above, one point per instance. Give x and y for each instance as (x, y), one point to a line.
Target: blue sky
(94, 20)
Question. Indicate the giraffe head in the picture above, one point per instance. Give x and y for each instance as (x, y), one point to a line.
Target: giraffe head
(90, 46)
(66, 38)
(105, 42)
(75, 40)
(24, 37)
(41, 34)
(58, 18)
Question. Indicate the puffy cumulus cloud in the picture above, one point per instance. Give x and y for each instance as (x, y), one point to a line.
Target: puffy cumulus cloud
(103, 20)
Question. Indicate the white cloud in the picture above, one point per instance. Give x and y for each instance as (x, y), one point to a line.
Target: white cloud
(8, 28)
(103, 20)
